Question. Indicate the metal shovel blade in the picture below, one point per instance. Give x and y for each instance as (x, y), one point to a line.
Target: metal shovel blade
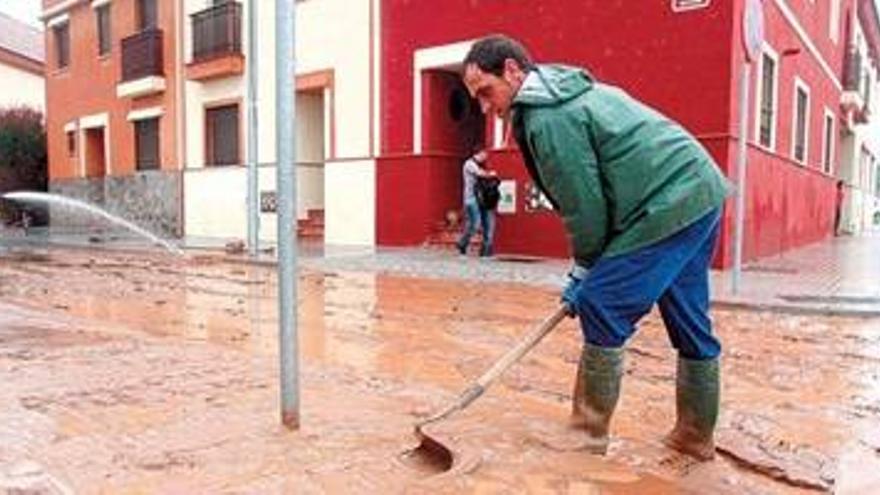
(430, 455)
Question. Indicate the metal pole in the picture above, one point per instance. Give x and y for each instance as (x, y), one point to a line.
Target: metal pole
(253, 191)
(741, 176)
(285, 18)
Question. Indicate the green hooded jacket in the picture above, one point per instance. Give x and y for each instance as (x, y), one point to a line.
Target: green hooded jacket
(621, 174)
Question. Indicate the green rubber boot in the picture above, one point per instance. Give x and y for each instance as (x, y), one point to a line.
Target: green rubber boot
(696, 407)
(596, 390)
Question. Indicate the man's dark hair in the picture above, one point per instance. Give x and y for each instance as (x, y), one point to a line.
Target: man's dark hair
(476, 151)
(490, 53)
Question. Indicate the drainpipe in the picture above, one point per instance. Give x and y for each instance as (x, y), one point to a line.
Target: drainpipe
(253, 187)
(180, 74)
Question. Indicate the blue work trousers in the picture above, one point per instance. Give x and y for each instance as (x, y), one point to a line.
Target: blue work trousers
(487, 223)
(673, 273)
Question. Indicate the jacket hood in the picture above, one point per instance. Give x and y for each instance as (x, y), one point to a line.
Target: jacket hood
(548, 85)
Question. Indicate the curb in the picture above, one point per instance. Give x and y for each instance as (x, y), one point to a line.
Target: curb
(792, 309)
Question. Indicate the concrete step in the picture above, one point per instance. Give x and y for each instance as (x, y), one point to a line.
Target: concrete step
(309, 222)
(310, 232)
(449, 238)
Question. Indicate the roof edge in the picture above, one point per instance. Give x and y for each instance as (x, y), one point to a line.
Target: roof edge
(59, 8)
(23, 62)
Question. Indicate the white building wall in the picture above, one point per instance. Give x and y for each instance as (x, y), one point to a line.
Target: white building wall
(214, 203)
(266, 114)
(335, 35)
(331, 35)
(860, 200)
(215, 200)
(19, 87)
(216, 197)
(354, 219)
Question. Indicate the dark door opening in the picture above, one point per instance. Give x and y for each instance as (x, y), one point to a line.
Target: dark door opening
(452, 120)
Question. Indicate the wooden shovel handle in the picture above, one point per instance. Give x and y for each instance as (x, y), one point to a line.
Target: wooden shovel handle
(476, 389)
(522, 347)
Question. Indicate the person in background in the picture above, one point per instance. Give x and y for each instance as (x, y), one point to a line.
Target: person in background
(473, 168)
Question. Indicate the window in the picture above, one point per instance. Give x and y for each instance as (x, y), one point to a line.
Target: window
(71, 144)
(102, 14)
(828, 142)
(221, 125)
(62, 45)
(800, 126)
(834, 20)
(865, 159)
(767, 95)
(873, 177)
(876, 183)
(146, 140)
(148, 14)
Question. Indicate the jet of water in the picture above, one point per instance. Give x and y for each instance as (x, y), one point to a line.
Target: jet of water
(41, 197)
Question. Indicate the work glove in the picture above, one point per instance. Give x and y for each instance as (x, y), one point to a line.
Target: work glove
(569, 293)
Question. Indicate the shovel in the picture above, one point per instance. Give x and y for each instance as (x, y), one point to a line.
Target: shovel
(434, 454)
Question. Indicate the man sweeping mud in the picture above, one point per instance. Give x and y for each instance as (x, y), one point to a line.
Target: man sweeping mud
(641, 201)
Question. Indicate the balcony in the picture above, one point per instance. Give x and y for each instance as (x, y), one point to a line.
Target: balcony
(855, 99)
(143, 72)
(852, 70)
(216, 43)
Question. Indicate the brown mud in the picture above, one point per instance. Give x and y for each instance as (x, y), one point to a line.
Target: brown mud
(140, 373)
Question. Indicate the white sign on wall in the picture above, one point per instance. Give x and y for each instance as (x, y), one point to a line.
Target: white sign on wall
(686, 5)
(507, 201)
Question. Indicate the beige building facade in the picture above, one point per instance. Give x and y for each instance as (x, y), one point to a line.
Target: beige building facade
(335, 124)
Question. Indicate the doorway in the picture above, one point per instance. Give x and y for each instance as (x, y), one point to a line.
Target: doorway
(310, 157)
(95, 155)
(452, 121)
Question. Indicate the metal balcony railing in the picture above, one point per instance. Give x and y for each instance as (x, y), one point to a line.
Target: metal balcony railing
(216, 31)
(852, 70)
(142, 55)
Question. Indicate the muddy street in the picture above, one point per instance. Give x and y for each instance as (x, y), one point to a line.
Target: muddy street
(128, 372)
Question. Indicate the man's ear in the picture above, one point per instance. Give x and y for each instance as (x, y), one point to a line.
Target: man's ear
(512, 71)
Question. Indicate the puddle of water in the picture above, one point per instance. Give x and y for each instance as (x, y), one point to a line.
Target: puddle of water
(377, 349)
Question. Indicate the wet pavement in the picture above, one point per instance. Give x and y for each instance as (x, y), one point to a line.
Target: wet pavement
(839, 276)
(132, 372)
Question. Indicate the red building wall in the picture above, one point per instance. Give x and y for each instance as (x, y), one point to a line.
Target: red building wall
(684, 64)
(609, 38)
(538, 233)
(789, 204)
(413, 194)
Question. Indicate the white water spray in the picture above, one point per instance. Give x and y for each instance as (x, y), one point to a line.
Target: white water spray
(40, 197)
